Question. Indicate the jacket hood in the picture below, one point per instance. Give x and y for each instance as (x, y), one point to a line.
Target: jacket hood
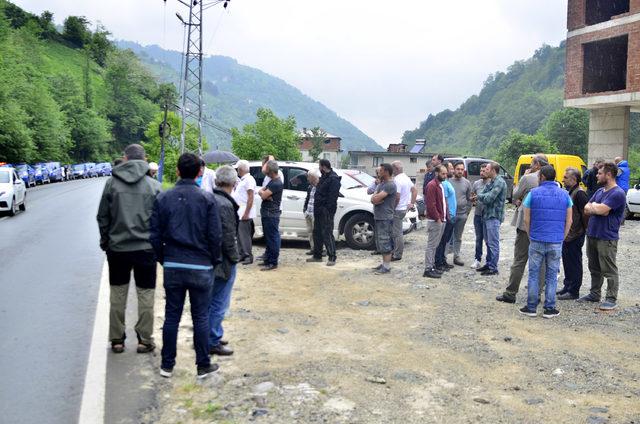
(131, 171)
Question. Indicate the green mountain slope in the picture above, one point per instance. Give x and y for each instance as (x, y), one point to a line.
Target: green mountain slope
(233, 93)
(520, 99)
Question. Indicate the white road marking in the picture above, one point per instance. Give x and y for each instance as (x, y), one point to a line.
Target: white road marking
(92, 406)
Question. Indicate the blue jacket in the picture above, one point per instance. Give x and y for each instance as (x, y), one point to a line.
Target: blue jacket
(185, 226)
(450, 195)
(548, 204)
(624, 174)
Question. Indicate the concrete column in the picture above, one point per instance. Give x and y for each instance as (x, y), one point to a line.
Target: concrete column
(608, 133)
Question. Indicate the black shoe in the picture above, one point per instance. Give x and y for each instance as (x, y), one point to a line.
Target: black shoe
(563, 291)
(550, 313)
(247, 261)
(489, 272)
(145, 348)
(220, 350)
(314, 259)
(437, 271)
(269, 267)
(166, 372)
(375, 252)
(331, 262)
(309, 253)
(441, 269)
(394, 259)
(262, 263)
(505, 299)
(588, 298)
(528, 312)
(448, 265)
(260, 258)
(224, 342)
(482, 268)
(377, 268)
(567, 296)
(205, 372)
(458, 262)
(431, 274)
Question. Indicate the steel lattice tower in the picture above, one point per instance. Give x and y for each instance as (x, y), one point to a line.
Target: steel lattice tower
(191, 101)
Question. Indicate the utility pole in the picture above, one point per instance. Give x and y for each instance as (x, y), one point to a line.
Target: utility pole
(191, 104)
(165, 131)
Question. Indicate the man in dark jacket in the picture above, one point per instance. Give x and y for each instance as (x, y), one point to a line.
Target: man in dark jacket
(324, 210)
(590, 178)
(225, 273)
(123, 219)
(185, 234)
(436, 219)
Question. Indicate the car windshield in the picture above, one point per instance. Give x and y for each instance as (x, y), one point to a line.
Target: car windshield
(21, 168)
(38, 167)
(78, 167)
(348, 182)
(364, 178)
(4, 177)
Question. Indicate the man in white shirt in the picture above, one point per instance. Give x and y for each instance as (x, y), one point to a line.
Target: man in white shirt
(208, 179)
(406, 194)
(243, 194)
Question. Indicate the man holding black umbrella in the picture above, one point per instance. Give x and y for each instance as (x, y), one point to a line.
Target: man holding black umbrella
(324, 210)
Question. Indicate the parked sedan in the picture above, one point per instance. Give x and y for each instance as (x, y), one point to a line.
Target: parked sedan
(103, 169)
(13, 193)
(78, 171)
(27, 173)
(90, 170)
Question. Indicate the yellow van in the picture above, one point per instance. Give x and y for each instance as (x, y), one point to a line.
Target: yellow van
(559, 162)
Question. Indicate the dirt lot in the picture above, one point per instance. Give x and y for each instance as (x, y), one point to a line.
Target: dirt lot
(320, 344)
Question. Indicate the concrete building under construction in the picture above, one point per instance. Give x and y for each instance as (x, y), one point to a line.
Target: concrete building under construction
(603, 70)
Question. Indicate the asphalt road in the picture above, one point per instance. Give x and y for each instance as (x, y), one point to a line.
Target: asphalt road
(49, 280)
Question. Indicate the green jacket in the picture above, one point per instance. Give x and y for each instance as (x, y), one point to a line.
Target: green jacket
(125, 208)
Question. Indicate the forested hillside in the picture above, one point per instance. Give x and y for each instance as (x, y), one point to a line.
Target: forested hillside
(233, 93)
(68, 95)
(521, 106)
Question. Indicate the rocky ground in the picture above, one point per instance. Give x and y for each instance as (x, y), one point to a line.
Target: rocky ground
(321, 344)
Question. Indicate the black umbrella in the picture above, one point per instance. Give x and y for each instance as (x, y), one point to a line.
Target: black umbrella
(220, 156)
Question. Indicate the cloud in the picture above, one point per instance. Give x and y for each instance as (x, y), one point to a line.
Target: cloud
(382, 65)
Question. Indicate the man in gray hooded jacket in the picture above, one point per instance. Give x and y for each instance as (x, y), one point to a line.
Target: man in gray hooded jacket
(123, 218)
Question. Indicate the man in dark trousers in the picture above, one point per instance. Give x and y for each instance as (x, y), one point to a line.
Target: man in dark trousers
(185, 234)
(271, 195)
(123, 218)
(430, 175)
(572, 246)
(324, 210)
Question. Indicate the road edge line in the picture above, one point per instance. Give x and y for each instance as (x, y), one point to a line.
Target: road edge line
(93, 393)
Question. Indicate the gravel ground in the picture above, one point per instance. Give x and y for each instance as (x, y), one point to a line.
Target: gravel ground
(321, 344)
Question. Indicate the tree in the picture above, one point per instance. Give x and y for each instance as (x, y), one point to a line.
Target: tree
(318, 136)
(172, 146)
(76, 31)
(269, 135)
(516, 144)
(568, 129)
(48, 27)
(101, 46)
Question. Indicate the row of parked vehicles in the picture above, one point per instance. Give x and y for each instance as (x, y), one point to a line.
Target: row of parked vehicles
(15, 179)
(48, 172)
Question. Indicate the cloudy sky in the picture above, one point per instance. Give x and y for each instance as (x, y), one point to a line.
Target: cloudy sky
(383, 65)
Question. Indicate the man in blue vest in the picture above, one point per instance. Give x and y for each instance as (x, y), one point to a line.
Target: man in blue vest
(548, 215)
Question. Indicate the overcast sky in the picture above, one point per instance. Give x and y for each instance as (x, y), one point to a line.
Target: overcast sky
(383, 65)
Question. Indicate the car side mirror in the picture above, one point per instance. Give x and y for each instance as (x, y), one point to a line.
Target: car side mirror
(637, 187)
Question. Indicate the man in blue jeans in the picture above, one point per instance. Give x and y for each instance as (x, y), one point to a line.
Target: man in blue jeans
(492, 198)
(478, 222)
(548, 213)
(185, 235)
(271, 196)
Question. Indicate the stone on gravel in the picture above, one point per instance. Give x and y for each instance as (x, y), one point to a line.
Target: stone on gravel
(259, 412)
(339, 405)
(376, 379)
(596, 420)
(481, 400)
(599, 410)
(533, 401)
(282, 330)
(507, 338)
(265, 387)
(558, 371)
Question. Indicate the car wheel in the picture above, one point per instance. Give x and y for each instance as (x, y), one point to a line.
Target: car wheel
(23, 206)
(359, 231)
(13, 209)
(627, 213)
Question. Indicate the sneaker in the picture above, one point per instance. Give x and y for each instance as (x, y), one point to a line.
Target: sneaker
(220, 350)
(205, 372)
(314, 259)
(331, 262)
(588, 298)
(269, 267)
(482, 268)
(166, 372)
(394, 259)
(608, 305)
(550, 313)
(247, 261)
(489, 272)
(457, 261)
(475, 264)
(437, 271)
(431, 273)
(528, 312)
(309, 253)
(382, 270)
(447, 265)
(377, 268)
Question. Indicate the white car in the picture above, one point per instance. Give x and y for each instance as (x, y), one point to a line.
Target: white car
(354, 216)
(13, 193)
(633, 201)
